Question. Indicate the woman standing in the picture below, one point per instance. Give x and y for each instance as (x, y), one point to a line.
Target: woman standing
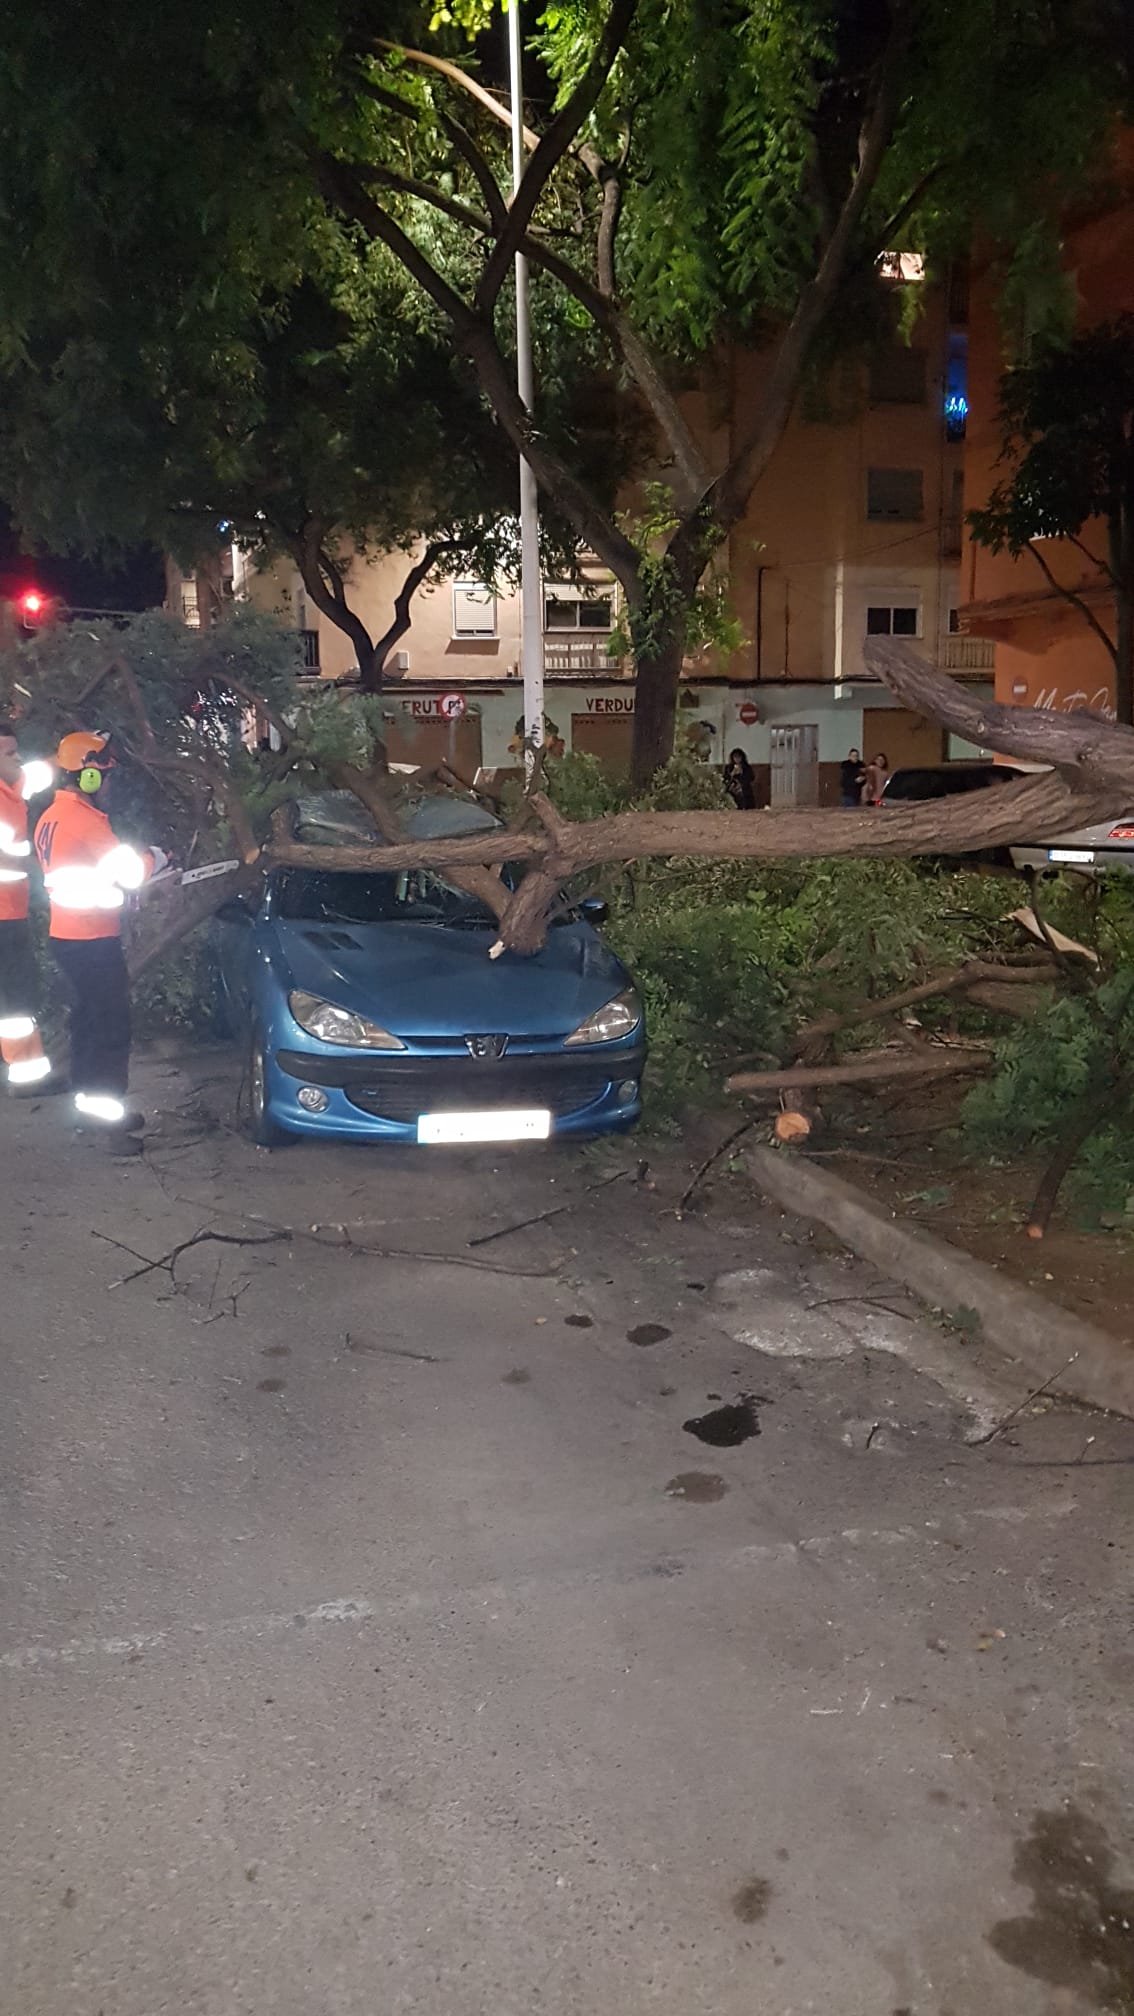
(877, 772)
(740, 781)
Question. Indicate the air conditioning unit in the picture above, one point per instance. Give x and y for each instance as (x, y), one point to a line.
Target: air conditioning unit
(400, 661)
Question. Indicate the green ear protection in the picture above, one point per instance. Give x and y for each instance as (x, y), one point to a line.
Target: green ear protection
(90, 780)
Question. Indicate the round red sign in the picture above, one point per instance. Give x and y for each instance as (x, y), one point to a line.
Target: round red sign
(451, 705)
(748, 713)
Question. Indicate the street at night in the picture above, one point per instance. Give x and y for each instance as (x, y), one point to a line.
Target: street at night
(376, 1635)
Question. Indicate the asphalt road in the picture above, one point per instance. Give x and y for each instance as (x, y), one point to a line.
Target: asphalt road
(377, 1637)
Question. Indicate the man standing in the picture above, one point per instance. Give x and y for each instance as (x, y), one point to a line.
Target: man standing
(86, 872)
(21, 1046)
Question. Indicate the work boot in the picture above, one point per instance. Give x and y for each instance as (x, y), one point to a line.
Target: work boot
(121, 1145)
(41, 1088)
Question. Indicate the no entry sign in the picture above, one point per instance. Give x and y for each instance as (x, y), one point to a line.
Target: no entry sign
(748, 713)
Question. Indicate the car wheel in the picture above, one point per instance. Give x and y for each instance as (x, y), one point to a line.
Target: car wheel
(258, 1123)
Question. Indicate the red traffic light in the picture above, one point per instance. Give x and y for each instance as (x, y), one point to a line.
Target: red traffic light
(33, 606)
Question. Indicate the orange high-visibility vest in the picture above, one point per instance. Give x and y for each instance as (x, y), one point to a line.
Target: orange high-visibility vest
(14, 852)
(86, 868)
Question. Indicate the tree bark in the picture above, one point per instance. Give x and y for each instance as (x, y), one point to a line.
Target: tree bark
(1096, 752)
(862, 1070)
(1071, 1144)
(655, 711)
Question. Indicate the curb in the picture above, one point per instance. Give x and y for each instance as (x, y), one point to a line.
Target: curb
(1038, 1335)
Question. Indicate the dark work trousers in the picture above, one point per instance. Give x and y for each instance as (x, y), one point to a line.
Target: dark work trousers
(99, 987)
(19, 981)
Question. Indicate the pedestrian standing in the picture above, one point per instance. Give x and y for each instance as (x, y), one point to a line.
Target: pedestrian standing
(852, 777)
(877, 772)
(21, 1046)
(740, 781)
(86, 872)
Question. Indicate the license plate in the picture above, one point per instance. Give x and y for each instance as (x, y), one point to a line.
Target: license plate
(1079, 857)
(521, 1125)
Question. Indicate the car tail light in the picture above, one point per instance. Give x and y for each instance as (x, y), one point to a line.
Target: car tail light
(1122, 832)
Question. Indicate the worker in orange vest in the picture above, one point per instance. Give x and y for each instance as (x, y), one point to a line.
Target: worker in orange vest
(87, 871)
(21, 1047)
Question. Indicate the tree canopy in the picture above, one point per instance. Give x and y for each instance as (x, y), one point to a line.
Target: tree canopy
(691, 175)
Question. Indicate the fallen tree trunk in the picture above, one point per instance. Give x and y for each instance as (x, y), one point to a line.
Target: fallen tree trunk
(558, 849)
(866, 1070)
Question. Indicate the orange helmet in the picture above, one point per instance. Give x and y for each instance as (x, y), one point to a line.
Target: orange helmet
(82, 751)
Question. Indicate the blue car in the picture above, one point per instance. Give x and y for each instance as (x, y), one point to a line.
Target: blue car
(370, 1010)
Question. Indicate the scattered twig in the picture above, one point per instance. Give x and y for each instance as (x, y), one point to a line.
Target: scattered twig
(979, 1441)
(541, 1217)
(168, 1262)
(447, 1260)
(729, 1141)
(861, 1301)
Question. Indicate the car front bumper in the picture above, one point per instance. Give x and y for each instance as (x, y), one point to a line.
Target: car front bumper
(380, 1098)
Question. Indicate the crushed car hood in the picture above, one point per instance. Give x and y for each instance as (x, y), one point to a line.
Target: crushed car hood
(419, 980)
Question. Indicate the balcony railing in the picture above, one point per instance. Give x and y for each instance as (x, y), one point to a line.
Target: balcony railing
(564, 657)
(952, 535)
(968, 654)
(310, 650)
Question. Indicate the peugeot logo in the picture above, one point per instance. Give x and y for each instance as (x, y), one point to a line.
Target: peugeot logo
(486, 1046)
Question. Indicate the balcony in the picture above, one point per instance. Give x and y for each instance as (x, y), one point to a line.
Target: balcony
(568, 657)
(974, 655)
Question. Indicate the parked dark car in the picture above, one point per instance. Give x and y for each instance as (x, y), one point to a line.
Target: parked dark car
(948, 780)
(927, 782)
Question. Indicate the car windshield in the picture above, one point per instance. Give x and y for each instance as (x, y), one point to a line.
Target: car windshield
(340, 896)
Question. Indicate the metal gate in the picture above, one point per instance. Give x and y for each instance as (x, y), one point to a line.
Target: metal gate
(795, 765)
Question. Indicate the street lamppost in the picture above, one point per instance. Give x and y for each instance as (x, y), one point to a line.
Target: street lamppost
(531, 611)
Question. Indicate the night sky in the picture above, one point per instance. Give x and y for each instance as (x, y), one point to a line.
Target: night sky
(136, 583)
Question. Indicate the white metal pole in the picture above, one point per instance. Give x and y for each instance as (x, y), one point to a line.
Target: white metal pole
(531, 598)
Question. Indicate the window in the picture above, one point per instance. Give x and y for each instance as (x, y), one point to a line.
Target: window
(893, 619)
(474, 610)
(894, 494)
(898, 376)
(571, 609)
(902, 266)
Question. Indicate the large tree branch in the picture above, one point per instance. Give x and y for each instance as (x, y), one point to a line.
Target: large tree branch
(1070, 595)
(553, 144)
(477, 339)
(1093, 751)
(461, 78)
(863, 1070)
(419, 572)
(324, 583)
(479, 167)
(1033, 809)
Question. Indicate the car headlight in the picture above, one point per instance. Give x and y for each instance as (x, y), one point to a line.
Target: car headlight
(338, 1025)
(616, 1019)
